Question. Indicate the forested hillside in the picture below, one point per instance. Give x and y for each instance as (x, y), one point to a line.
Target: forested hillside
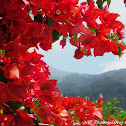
(110, 84)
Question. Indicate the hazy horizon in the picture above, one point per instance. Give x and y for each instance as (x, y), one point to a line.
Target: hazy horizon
(72, 72)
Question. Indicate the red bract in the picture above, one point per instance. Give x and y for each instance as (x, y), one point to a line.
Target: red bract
(25, 119)
(15, 48)
(86, 40)
(103, 45)
(44, 112)
(78, 54)
(13, 19)
(62, 28)
(112, 122)
(71, 103)
(63, 43)
(90, 14)
(38, 4)
(21, 118)
(61, 11)
(49, 92)
(12, 72)
(5, 119)
(4, 97)
(120, 32)
(47, 86)
(16, 91)
(100, 101)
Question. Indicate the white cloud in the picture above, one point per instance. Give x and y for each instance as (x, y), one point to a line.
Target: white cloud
(114, 65)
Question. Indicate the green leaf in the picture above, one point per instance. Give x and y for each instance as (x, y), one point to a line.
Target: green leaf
(53, 123)
(1, 111)
(14, 104)
(6, 56)
(72, 114)
(88, 2)
(67, 20)
(100, 4)
(27, 110)
(92, 29)
(84, 51)
(116, 42)
(108, 3)
(1, 52)
(34, 111)
(38, 104)
(56, 35)
(2, 77)
(109, 103)
(95, 102)
(123, 43)
(119, 50)
(115, 35)
(49, 21)
(82, 40)
(108, 36)
(39, 118)
(38, 18)
(74, 37)
(37, 107)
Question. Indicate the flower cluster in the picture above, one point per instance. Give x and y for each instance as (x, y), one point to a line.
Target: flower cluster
(27, 96)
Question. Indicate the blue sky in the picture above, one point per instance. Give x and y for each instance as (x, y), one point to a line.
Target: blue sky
(63, 59)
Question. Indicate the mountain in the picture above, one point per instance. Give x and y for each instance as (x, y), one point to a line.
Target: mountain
(111, 84)
(58, 74)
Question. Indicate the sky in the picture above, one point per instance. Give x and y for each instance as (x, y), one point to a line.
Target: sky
(63, 59)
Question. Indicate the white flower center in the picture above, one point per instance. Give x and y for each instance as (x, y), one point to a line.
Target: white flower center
(58, 12)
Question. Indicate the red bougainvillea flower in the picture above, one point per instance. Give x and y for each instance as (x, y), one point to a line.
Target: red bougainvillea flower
(63, 43)
(109, 20)
(44, 112)
(61, 11)
(71, 103)
(104, 45)
(120, 32)
(78, 54)
(112, 122)
(100, 101)
(124, 122)
(90, 14)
